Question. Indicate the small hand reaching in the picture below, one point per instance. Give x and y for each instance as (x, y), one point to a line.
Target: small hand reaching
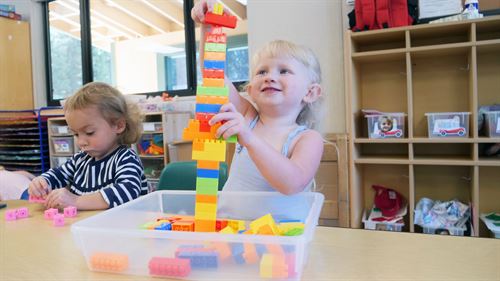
(201, 8)
(233, 123)
(60, 198)
(38, 187)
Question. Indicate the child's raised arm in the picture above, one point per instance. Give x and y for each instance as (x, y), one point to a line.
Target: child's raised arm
(198, 15)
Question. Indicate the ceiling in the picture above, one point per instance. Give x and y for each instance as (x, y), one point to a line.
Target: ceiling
(119, 20)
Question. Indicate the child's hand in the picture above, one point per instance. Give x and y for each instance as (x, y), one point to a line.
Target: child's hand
(38, 187)
(201, 8)
(234, 124)
(60, 198)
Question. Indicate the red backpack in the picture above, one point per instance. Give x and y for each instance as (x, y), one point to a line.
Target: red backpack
(377, 14)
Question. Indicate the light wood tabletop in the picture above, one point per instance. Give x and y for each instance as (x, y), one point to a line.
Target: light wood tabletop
(33, 249)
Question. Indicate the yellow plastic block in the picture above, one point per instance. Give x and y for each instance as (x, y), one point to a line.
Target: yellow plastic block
(211, 165)
(272, 266)
(204, 225)
(215, 55)
(212, 99)
(228, 230)
(205, 216)
(266, 266)
(265, 225)
(213, 82)
(214, 150)
(236, 224)
(218, 9)
(205, 207)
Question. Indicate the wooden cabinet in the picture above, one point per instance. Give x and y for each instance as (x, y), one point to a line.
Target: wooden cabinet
(62, 144)
(448, 67)
(16, 86)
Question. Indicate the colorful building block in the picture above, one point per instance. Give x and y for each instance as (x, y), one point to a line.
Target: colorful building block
(35, 199)
(70, 211)
(214, 64)
(202, 198)
(183, 226)
(10, 215)
(50, 213)
(208, 108)
(199, 257)
(22, 213)
(221, 56)
(218, 9)
(215, 47)
(58, 220)
(272, 266)
(212, 91)
(169, 267)
(264, 225)
(204, 225)
(109, 262)
(213, 82)
(214, 73)
(222, 20)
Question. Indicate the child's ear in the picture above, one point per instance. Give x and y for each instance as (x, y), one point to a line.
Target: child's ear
(120, 125)
(313, 93)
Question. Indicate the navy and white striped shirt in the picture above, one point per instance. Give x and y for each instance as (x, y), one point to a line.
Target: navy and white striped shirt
(119, 176)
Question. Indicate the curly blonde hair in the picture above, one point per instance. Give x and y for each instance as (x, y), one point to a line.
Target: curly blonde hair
(112, 105)
(310, 113)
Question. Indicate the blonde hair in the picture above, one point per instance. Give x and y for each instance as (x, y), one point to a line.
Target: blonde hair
(112, 105)
(310, 113)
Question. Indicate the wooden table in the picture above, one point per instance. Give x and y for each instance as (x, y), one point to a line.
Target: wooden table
(33, 249)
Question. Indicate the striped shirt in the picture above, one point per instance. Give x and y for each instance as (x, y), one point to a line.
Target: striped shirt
(119, 176)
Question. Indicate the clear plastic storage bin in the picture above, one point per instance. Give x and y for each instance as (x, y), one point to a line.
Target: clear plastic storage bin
(64, 145)
(492, 123)
(455, 231)
(385, 226)
(116, 234)
(386, 125)
(448, 124)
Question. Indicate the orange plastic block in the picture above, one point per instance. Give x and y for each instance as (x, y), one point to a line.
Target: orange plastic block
(201, 198)
(272, 266)
(109, 262)
(211, 165)
(221, 56)
(183, 226)
(204, 225)
(250, 253)
(275, 249)
(212, 100)
(213, 73)
(265, 225)
(223, 249)
(213, 82)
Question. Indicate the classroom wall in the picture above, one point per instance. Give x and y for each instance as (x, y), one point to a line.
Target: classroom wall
(316, 24)
(32, 11)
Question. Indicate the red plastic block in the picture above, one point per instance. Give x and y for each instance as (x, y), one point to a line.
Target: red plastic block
(213, 73)
(204, 127)
(204, 116)
(216, 38)
(169, 267)
(222, 20)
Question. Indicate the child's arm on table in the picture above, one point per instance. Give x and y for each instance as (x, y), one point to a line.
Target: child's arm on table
(286, 175)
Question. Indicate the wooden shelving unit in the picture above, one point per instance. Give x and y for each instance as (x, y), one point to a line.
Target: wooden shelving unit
(448, 67)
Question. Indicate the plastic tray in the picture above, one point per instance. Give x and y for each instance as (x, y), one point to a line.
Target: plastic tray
(117, 232)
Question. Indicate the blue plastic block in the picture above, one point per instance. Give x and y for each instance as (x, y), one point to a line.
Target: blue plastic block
(261, 249)
(206, 173)
(208, 108)
(164, 226)
(214, 64)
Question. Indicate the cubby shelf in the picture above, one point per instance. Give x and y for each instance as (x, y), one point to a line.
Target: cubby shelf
(447, 67)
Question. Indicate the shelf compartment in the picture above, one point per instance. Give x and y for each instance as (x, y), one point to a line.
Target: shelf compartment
(377, 40)
(489, 194)
(389, 176)
(444, 151)
(439, 85)
(488, 73)
(487, 30)
(397, 151)
(440, 34)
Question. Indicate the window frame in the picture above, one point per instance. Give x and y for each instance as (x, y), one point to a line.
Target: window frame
(86, 45)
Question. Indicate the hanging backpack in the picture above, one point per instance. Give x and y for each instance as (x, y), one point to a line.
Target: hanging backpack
(378, 14)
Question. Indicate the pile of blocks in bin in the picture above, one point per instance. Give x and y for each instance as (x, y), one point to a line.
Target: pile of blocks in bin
(388, 211)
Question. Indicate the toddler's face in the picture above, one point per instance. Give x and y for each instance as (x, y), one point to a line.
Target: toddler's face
(279, 81)
(93, 133)
(385, 125)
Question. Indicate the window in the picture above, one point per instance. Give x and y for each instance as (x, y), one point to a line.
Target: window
(138, 46)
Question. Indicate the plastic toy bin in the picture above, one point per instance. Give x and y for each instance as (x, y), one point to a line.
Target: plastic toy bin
(386, 125)
(492, 123)
(448, 124)
(117, 232)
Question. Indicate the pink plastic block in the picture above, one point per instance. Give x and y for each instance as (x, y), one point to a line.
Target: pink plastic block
(50, 213)
(11, 215)
(70, 211)
(22, 213)
(36, 199)
(58, 220)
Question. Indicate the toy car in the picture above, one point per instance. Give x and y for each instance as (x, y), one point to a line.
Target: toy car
(393, 133)
(456, 131)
